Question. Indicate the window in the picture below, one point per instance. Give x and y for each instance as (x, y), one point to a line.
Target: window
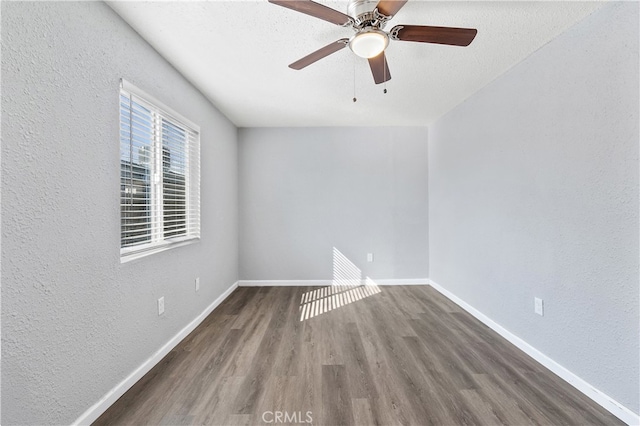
(159, 176)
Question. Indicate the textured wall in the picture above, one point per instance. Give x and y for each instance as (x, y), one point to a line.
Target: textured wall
(533, 191)
(75, 321)
(304, 191)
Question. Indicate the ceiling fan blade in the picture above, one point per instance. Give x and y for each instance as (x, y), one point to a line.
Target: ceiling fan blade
(319, 54)
(438, 35)
(315, 9)
(390, 7)
(380, 68)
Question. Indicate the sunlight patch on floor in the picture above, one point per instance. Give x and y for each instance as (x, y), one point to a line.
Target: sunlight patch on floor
(347, 287)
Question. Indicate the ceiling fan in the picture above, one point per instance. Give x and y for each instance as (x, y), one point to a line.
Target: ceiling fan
(370, 41)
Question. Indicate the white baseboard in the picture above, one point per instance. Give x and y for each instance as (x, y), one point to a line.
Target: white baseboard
(608, 403)
(403, 281)
(283, 283)
(322, 283)
(112, 396)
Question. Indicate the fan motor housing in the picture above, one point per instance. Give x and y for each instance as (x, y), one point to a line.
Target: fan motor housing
(363, 14)
(358, 7)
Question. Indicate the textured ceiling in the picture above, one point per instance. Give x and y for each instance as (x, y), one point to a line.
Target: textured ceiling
(237, 53)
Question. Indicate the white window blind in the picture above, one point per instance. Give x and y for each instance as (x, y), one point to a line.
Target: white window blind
(159, 175)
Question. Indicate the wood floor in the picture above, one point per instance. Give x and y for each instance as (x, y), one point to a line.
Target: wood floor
(349, 355)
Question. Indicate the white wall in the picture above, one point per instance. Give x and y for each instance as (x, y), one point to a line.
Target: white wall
(533, 191)
(75, 321)
(304, 191)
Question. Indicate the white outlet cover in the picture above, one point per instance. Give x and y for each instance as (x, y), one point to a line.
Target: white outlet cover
(197, 283)
(369, 257)
(161, 306)
(538, 306)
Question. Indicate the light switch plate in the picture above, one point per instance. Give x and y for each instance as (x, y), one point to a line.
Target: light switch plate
(538, 306)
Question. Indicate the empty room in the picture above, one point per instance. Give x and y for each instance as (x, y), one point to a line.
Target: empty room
(354, 212)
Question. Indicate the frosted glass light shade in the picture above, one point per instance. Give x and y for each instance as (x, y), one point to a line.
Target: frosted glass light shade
(369, 44)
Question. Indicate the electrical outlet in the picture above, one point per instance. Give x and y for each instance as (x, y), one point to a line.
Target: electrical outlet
(369, 257)
(538, 306)
(197, 283)
(161, 306)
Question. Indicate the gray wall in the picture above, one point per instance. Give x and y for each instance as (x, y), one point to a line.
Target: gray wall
(533, 191)
(304, 191)
(75, 321)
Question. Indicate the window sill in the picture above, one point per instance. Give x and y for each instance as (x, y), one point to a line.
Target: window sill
(164, 246)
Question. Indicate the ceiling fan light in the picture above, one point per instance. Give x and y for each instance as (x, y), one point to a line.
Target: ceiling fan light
(369, 44)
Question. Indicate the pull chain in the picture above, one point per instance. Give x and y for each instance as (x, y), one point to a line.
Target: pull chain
(354, 80)
(385, 73)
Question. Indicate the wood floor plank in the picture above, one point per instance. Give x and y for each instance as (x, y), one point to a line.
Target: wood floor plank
(176, 420)
(284, 398)
(336, 398)
(404, 302)
(274, 398)
(444, 349)
(254, 382)
(330, 327)
(386, 310)
(356, 363)
(214, 406)
(205, 373)
(447, 407)
(401, 355)
(485, 413)
(254, 299)
(238, 300)
(254, 327)
(312, 380)
(426, 292)
(362, 413)
(514, 380)
(238, 420)
(289, 358)
(388, 407)
(515, 408)
(406, 398)
(564, 400)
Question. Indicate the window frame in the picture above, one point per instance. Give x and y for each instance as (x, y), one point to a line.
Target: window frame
(159, 112)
